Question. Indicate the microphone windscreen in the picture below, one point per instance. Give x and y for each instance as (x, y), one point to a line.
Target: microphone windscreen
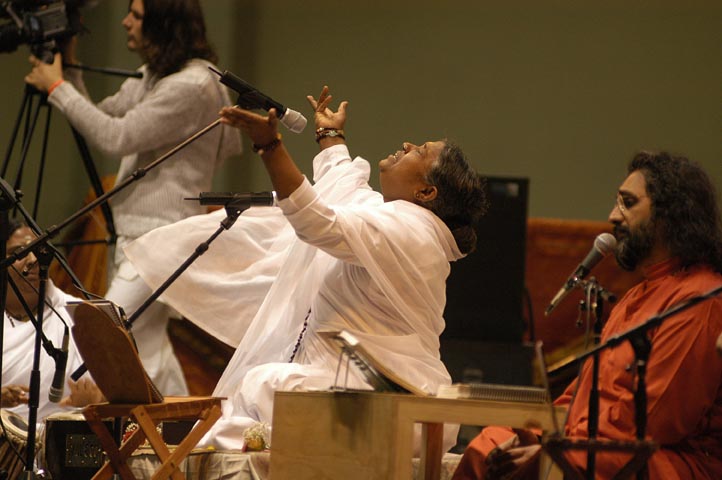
(605, 243)
(294, 121)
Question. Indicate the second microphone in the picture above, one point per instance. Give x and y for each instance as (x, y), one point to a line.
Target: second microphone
(242, 200)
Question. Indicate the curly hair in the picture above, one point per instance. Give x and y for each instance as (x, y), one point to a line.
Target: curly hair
(684, 204)
(173, 33)
(461, 199)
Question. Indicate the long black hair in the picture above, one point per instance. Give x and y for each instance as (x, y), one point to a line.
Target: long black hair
(684, 204)
(461, 197)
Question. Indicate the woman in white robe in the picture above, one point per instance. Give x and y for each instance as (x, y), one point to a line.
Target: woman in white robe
(19, 339)
(370, 263)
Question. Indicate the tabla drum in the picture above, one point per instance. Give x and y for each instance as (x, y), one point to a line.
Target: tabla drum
(13, 443)
(72, 450)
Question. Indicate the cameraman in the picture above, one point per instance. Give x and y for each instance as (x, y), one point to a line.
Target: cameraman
(176, 97)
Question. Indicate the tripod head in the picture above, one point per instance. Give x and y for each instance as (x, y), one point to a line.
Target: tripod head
(40, 24)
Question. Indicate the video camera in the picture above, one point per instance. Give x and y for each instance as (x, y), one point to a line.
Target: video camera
(40, 24)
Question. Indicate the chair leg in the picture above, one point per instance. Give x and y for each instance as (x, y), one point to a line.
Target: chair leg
(170, 464)
(116, 458)
(148, 424)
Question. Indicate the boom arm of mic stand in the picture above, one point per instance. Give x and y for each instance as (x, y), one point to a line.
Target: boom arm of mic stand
(650, 323)
(232, 213)
(109, 71)
(47, 344)
(136, 175)
(56, 253)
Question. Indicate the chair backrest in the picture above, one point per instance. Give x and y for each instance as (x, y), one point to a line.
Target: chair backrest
(111, 357)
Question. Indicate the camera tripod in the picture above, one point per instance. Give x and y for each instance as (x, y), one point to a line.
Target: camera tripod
(34, 102)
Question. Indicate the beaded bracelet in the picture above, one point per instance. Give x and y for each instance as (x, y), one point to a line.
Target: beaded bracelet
(324, 132)
(261, 149)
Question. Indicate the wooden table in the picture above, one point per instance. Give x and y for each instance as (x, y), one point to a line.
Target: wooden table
(361, 435)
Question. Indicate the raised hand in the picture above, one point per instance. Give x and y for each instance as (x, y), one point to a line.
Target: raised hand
(261, 130)
(323, 116)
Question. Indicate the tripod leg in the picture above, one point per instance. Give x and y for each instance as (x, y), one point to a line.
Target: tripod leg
(24, 107)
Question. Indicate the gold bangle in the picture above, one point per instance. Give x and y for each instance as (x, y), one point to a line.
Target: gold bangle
(270, 146)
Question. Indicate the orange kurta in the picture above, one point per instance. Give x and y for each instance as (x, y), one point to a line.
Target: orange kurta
(684, 375)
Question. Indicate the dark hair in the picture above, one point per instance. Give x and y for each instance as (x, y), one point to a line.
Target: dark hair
(15, 224)
(173, 33)
(461, 195)
(684, 204)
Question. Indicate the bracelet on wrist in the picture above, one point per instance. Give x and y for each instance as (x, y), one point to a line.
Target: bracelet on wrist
(55, 85)
(270, 146)
(324, 132)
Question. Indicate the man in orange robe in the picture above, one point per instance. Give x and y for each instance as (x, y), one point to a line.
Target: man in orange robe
(667, 224)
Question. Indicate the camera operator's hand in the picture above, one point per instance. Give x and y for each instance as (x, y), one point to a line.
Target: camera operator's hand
(44, 76)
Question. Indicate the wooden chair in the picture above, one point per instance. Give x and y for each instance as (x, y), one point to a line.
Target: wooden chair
(111, 357)
(204, 409)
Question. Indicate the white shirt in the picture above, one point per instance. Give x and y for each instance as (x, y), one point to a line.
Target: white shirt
(19, 346)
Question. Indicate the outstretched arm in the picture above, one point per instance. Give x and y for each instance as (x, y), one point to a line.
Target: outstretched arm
(263, 131)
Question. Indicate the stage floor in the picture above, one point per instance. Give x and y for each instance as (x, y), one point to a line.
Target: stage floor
(226, 465)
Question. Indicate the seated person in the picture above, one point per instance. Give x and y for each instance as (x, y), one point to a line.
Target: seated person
(667, 224)
(372, 263)
(19, 338)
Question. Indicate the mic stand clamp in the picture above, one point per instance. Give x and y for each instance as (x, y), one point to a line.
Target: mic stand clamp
(593, 303)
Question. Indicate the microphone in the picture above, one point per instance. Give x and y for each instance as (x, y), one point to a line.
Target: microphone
(250, 98)
(604, 244)
(240, 200)
(61, 362)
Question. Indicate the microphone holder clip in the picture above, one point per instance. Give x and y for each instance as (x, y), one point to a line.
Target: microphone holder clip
(593, 303)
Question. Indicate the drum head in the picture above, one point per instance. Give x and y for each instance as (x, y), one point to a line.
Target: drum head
(15, 425)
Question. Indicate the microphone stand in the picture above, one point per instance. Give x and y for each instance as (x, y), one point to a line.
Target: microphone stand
(136, 175)
(6, 203)
(44, 256)
(641, 345)
(9, 200)
(233, 209)
(30, 124)
(106, 70)
(594, 303)
(41, 246)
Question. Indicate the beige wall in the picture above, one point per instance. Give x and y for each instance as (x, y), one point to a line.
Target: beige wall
(559, 91)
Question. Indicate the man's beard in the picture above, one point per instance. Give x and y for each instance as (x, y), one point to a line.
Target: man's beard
(633, 245)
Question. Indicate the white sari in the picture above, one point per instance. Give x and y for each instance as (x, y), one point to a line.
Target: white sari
(356, 263)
